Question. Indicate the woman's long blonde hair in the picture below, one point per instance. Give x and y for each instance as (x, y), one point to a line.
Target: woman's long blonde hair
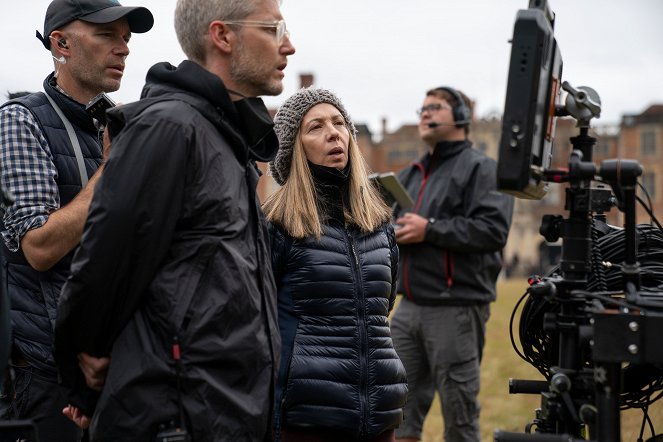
(294, 207)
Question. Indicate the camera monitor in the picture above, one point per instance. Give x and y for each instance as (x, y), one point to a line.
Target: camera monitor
(533, 92)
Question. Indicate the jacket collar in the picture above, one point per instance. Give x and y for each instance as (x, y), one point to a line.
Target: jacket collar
(73, 110)
(443, 151)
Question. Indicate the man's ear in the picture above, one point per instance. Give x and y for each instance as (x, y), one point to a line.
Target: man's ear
(59, 41)
(221, 36)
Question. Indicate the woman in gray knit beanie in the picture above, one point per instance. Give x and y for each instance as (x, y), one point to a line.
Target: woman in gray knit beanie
(294, 205)
(288, 119)
(335, 260)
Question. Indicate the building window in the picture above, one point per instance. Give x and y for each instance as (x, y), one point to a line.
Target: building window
(398, 156)
(648, 142)
(649, 183)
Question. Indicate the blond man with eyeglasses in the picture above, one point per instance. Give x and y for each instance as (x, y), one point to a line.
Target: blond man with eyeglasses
(172, 294)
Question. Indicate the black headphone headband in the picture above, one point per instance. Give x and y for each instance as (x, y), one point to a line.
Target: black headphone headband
(461, 112)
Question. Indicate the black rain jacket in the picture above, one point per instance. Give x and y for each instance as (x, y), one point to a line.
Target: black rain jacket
(175, 248)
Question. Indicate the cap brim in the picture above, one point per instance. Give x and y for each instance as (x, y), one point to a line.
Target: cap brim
(140, 19)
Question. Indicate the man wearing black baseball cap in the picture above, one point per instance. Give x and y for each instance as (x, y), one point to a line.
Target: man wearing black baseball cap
(51, 157)
(62, 12)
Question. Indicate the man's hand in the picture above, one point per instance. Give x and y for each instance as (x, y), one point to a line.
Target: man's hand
(412, 230)
(76, 416)
(94, 369)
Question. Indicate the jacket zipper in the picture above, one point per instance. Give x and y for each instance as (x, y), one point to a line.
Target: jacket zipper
(449, 268)
(448, 261)
(406, 263)
(363, 339)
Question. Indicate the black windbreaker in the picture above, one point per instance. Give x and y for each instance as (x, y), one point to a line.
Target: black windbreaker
(461, 255)
(175, 247)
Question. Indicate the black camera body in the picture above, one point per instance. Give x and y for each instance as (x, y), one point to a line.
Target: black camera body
(98, 105)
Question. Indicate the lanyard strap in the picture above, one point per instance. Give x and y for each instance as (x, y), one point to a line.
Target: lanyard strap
(74, 141)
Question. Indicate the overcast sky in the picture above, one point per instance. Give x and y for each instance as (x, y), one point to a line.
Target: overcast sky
(380, 56)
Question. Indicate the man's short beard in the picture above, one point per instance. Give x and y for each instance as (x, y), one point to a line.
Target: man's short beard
(248, 72)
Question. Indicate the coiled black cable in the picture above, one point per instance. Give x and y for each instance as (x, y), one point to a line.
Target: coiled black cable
(643, 384)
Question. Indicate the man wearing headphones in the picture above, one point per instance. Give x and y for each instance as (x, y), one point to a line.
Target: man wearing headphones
(50, 160)
(450, 245)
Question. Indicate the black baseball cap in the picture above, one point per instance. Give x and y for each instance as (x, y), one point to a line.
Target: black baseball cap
(62, 12)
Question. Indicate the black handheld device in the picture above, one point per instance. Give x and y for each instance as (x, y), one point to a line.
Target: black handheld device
(392, 190)
(98, 105)
(18, 430)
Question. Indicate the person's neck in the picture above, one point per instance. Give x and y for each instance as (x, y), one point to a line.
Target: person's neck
(68, 87)
(330, 187)
(221, 69)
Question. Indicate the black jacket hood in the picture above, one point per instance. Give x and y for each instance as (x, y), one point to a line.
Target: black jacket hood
(163, 78)
(205, 91)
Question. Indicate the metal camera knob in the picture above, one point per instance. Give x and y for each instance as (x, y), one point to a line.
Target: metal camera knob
(582, 103)
(560, 383)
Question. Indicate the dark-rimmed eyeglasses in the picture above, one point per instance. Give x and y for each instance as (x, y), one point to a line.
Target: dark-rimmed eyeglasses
(435, 107)
(280, 26)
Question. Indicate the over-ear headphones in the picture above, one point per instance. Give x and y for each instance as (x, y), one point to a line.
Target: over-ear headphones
(461, 112)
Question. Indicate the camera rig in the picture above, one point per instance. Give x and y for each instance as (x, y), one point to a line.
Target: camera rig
(593, 325)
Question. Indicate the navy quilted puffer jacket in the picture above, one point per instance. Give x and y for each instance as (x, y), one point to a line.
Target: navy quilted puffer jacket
(339, 369)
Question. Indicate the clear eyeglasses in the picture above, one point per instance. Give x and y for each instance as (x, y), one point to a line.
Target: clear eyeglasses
(281, 29)
(432, 108)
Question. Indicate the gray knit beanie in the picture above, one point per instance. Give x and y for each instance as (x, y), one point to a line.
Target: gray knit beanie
(287, 121)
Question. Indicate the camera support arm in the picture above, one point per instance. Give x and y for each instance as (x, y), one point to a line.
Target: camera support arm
(622, 175)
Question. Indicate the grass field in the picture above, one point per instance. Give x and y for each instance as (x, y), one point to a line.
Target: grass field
(512, 412)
